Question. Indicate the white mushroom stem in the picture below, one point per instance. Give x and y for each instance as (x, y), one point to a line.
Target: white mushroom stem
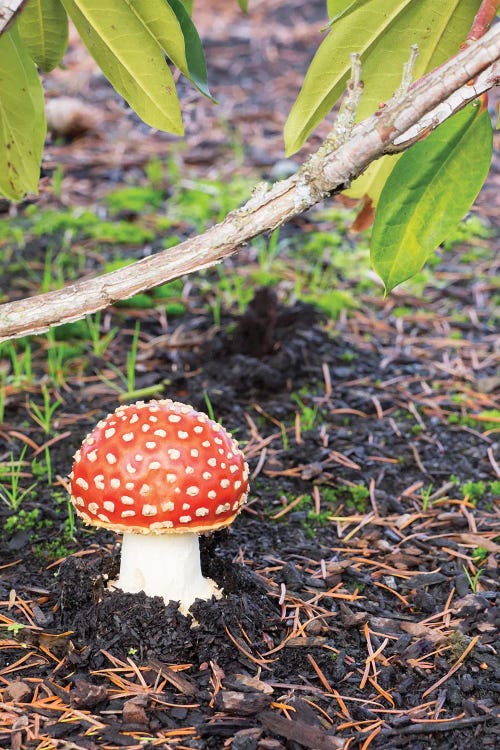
(166, 565)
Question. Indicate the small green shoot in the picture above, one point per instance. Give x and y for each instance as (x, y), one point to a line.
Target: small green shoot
(12, 495)
(15, 627)
(126, 384)
(473, 579)
(43, 415)
(100, 342)
(308, 414)
(208, 404)
(425, 496)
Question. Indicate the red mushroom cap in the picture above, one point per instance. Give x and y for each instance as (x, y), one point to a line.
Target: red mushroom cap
(159, 467)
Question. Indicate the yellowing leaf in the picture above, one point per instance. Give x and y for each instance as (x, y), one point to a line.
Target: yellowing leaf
(130, 57)
(382, 31)
(43, 26)
(430, 189)
(373, 180)
(22, 118)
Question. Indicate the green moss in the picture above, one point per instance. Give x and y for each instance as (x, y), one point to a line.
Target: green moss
(136, 199)
(473, 491)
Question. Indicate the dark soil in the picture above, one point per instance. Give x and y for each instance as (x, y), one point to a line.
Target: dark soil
(305, 605)
(357, 612)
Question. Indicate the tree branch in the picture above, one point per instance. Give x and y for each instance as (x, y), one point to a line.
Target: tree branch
(462, 96)
(267, 209)
(8, 11)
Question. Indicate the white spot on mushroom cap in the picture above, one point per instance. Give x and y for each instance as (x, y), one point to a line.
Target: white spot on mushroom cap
(92, 456)
(93, 508)
(127, 437)
(133, 419)
(151, 445)
(161, 433)
(149, 510)
(222, 509)
(78, 500)
(237, 484)
(173, 453)
(185, 519)
(127, 513)
(206, 443)
(131, 469)
(212, 494)
(182, 434)
(198, 429)
(171, 478)
(189, 470)
(161, 525)
(174, 418)
(167, 506)
(114, 483)
(109, 505)
(146, 427)
(139, 457)
(111, 458)
(82, 483)
(155, 465)
(201, 512)
(185, 506)
(145, 489)
(212, 462)
(103, 518)
(224, 483)
(194, 452)
(193, 491)
(127, 500)
(129, 485)
(206, 475)
(233, 468)
(99, 481)
(109, 432)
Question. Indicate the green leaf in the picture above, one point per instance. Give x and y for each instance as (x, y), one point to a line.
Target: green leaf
(195, 57)
(22, 118)
(336, 8)
(382, 31)
(243, 5)
(125, 49)
(43, 26)
(430, 189)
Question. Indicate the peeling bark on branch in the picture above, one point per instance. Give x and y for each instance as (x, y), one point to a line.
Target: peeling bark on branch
(8, 10)
(322, 175)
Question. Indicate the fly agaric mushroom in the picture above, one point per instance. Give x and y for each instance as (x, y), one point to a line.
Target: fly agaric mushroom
(161, 473)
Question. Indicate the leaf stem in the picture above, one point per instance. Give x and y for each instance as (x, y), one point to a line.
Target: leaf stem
(483, 20)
